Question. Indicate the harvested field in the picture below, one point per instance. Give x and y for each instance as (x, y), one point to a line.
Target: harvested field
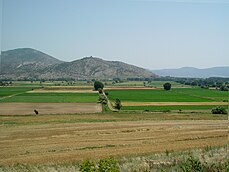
(172, 103)
(69, 87)
(48, 108)
(62, 91)
(66, 142)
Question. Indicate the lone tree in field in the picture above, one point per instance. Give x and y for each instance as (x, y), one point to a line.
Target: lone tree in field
(167, 86)
(97, 85)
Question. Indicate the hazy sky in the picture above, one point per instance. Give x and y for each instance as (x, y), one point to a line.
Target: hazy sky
(147, 33)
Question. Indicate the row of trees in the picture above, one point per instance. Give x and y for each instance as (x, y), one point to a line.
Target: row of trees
(98, 86)
(5, 83)
(217, 82)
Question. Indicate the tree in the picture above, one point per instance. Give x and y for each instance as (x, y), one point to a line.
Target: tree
(97, 85)
(224, 88)
(167, 86)
(118, 104)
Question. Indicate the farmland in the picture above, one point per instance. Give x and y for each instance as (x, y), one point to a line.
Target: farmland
(151, 121)
(175, 95)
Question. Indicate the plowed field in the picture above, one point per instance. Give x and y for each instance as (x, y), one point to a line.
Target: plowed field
(48, 108)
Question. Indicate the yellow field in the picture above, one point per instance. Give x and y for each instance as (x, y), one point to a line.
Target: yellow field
(47, 139)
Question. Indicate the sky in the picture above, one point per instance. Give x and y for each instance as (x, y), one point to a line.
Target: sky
(154, 34)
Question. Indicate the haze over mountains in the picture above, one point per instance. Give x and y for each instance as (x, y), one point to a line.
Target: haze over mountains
(192, 72)
(33, 64)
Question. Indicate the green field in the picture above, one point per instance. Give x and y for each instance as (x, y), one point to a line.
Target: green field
(7, 91)
(53, 97)
(165, 108)
(174, 95)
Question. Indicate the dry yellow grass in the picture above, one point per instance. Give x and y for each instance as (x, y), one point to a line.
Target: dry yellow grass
(46, 142)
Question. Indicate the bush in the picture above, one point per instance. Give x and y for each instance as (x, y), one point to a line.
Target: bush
(104, 165)
(219, 110)
(102, 99)
(97, 85)
(191, 164)
(167, 86)
(118, 104)
(108, 165)
(87, 166)
(100, 90)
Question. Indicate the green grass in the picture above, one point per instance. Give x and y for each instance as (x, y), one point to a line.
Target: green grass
(174, 95)
(7, 91)
(53, 97)
(161, 108)
(214, 95)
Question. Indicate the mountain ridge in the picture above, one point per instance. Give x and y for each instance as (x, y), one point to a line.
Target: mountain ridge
(192, 72)
(30, 63)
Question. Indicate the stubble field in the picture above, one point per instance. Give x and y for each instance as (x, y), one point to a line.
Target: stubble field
(50, 139)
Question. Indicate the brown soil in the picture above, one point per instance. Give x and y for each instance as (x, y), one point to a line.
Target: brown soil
(66, 142)
(48, 108)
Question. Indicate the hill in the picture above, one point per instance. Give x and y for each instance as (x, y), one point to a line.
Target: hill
(29, 63)
(192, 72)
(91, 67)
(25, 62)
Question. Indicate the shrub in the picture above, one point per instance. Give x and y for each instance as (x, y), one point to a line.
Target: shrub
(100, 90)
(167, 86)
(118, 104)
(108, 165)
(102, 99)
(87, 166)
(191, 164)
(219, 110)
(104, 165)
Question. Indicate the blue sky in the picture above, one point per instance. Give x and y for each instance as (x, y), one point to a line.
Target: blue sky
(147, 33)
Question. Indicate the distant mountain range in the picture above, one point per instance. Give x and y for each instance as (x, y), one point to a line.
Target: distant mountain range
(32, 64)
(192, 72)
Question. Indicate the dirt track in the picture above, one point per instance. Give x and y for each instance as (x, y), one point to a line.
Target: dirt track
(46, 142)
(48, 108)
(171, 103)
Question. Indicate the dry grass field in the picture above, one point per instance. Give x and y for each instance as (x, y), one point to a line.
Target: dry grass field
(48, 108)
(57, 138)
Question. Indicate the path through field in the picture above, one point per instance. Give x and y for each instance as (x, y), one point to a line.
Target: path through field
(66, 142)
